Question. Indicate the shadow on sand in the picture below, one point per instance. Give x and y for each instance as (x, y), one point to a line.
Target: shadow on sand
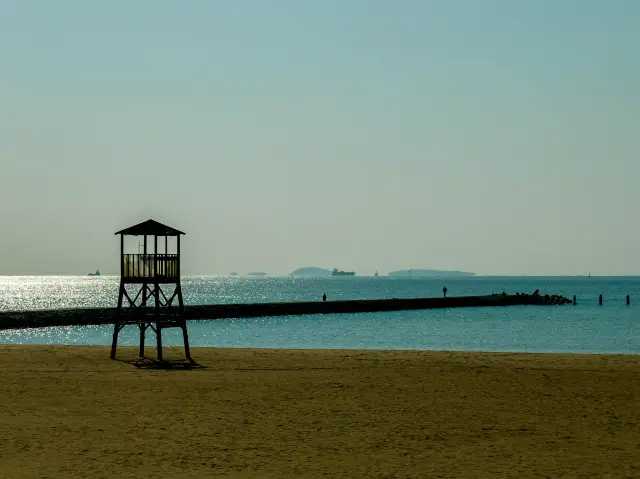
(173, 364)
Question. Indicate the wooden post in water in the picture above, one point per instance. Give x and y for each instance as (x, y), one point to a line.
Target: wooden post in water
(574, 300)
(628, 299)
(600, 300)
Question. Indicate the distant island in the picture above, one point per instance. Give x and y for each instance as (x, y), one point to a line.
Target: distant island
(434, 273)
(311, 271)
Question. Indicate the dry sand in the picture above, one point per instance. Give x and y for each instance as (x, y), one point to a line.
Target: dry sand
(71, 412)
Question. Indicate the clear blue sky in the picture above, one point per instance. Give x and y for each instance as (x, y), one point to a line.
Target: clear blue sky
(492, 136)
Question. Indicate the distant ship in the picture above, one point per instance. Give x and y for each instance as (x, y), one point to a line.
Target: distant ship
(97, 273)
(335, 272)
(376, 273)
(260, 273)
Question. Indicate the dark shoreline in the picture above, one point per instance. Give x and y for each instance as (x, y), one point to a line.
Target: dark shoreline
(97, 316)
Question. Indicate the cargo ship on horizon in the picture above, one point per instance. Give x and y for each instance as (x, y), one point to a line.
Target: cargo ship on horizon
(335, 272)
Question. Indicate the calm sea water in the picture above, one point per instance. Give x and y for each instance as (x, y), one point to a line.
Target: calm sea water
(587, 327)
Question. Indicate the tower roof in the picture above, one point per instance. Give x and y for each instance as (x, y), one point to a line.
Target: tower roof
(150, 228)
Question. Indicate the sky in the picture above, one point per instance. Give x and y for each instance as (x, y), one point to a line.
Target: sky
(496, 137)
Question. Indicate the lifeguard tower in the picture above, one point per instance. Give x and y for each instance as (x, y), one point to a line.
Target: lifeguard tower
(150, 285)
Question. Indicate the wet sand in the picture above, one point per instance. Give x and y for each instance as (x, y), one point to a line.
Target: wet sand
(71, 412)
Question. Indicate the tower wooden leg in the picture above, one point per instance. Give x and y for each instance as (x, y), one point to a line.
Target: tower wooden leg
(185, 335)
(143, 328)
(114, 342)
(159, 338)
(121, 295)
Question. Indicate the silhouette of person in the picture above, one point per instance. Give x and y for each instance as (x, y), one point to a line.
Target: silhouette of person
(444, 291)
(324, 297)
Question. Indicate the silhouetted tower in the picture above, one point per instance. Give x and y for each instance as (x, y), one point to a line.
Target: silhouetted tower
(150, 285)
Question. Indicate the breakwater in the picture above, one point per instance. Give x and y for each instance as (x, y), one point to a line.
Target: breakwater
(96, 316)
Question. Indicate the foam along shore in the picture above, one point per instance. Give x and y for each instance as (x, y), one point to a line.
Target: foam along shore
(86, 316)
(72, 412)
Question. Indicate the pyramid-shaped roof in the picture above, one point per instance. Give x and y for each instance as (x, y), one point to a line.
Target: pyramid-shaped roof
(150, 228)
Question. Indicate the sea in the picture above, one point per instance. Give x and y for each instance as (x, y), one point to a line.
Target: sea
(588, 327)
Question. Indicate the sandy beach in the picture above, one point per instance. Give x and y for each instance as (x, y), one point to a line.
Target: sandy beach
(71, 412)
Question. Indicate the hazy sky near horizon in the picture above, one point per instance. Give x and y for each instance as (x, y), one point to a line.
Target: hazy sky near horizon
(497, 137)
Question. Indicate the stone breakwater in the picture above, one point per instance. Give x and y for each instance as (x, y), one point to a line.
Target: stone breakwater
(96, 316)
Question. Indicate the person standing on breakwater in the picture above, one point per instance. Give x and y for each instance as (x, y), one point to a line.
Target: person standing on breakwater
(444, 291)
(324, 297)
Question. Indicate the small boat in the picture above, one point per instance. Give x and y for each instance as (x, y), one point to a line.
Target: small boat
(97, 273)
(376, 274)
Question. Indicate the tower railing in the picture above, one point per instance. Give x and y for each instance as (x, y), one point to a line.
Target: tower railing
(150, 266)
